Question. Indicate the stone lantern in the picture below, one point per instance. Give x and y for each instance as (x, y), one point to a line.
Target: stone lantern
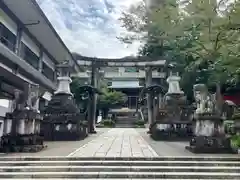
(173, 119)
(173, 81)
(64, 79)
(62, 116)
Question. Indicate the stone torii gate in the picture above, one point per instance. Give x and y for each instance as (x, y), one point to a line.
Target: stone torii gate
(149, 64)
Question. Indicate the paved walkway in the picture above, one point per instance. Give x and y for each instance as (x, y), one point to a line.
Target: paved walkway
(117, 142)
(61, 148)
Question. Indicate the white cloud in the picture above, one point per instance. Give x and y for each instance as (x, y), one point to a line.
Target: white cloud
(90, 27)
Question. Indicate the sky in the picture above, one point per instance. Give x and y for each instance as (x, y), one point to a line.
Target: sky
(90, 27)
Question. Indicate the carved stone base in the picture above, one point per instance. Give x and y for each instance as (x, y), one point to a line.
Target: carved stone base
(168, 136)
(21, 143)
(177, 134)
(92, 132)
(62, 133)
(203, 144)
(66, 136)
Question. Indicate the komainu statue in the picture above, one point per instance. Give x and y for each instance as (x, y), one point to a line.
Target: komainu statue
(209, 135)
(204, 100)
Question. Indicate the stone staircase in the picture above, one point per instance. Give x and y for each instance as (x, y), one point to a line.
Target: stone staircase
(125, 122)
(125, 118)
(119, 168)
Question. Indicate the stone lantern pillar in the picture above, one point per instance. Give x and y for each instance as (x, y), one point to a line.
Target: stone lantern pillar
(64, 79)
(173, 81)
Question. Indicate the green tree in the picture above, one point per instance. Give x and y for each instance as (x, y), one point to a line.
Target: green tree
(77, 93)
(110, 99)
(163, 30)
(201, 36)
(212, 24)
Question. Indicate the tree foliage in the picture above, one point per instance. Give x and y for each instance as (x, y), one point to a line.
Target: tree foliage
(201, 36)
(111, 98)
(75, 89)
(108, 98)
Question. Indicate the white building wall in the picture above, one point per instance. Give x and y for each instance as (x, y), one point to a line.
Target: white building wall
(8, 22)
(30, 44)
(125, 84)
(48, 61)
(4, 108)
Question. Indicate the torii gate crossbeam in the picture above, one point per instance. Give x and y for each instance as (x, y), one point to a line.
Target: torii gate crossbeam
(122, 64)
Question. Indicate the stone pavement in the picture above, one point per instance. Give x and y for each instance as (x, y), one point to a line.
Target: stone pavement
(60, 148)
(174, 149)
(117, 142)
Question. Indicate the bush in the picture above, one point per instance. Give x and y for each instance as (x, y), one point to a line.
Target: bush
(139, 123)
(235, 141)
(236, 116)
(229, 127)
(108, 123)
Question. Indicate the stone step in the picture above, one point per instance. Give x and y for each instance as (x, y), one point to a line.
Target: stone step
(121, 168)
(120, 163)
(70, 168)
(234, 158)
(104, 179)
(132, 175)
(124, 126)
(124, 122)
(127, 125)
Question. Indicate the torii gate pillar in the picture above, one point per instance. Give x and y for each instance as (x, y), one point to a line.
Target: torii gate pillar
(149, 97)
(93, 103)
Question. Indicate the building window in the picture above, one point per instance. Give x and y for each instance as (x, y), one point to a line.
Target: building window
(29, 56)
(7, 37)
(111, 69)
(131, 69)
(109, 83)
(48, 72)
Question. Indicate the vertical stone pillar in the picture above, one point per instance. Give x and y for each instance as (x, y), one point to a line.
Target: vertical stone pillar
(15, 121)
(7, 126)
(93, 103)
(21, 126)
(160, 101)
(149, 97)
(40, 63)
(18, 41)
(33, 126)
